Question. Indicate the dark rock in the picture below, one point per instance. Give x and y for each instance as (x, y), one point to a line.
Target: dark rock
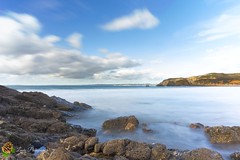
(202, 154)
(89, 132)
(160, 151)
(58, 127)
(223, 134)
(235, 156)
(64, 105)
(87, 157)
(121, 123)
(138, 151)
(115, 147)
(196, 125)
(82, 105)
(120, 158)
(146, 129)
(37, 98)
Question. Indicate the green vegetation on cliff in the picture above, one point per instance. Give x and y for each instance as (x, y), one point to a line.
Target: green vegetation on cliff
(211, 79)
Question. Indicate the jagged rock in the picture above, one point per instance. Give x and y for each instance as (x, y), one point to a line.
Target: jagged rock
(82, 105)
(90, 144)
(59, 153)
(58, 127)
(120, 158)
(89, 132)
(87, 157)
(235, 156)
(202, 154)
(97, 147)
(223, 134)
(160, 151)
(115, 147)
(138, 151)
(64, 105)
(121, 123)
(196, 125)
(37, 98)
(75, 143)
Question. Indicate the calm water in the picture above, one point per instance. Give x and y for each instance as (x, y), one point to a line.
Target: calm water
(168, 111)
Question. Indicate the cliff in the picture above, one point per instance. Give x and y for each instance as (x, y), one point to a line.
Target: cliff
(211, 79)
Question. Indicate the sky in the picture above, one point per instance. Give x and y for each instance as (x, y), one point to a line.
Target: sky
(122, 41)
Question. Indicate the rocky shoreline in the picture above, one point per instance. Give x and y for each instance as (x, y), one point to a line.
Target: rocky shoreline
(33, 120)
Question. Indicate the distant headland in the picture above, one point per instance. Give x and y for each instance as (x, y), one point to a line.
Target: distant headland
(211, 79)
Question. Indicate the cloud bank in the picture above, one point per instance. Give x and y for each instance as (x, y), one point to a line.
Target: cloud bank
(140, 18)
(24, 52)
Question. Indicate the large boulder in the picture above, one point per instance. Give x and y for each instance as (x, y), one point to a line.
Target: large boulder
(202, 154)
(138, 151)
(129, 123)
(223, 134)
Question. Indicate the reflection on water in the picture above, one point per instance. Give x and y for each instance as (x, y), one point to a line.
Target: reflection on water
(168, 111)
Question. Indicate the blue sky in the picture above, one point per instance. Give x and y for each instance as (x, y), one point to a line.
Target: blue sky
(124, 41)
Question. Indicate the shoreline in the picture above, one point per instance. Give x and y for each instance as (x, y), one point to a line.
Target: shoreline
(37, 100)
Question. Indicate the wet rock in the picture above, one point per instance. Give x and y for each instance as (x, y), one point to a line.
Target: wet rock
(235, 156)
(202, 154)
(87, 157)
(37, 98)
(83, 106)
(97, 147)
(64, 105)
(196, 125)
(24, 155)
(129, 123)
(90, 143)
(58, 127)
(89, 132)
(223, 134)
(120, 158)
(59, 153)
(115, 147)
(138, 151)
(146, 129)
(75, 143)
(160, 151)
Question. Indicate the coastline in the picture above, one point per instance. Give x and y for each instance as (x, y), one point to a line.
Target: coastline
(8, 98)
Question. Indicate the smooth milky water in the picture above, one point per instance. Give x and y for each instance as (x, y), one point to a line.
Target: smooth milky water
(167, 110)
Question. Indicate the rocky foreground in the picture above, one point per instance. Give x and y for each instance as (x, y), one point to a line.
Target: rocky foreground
(32, 120)
(211, 79)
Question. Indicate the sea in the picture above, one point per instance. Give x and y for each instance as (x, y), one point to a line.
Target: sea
(168, 111)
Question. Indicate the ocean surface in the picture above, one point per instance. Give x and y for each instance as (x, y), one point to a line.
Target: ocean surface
(167, 110)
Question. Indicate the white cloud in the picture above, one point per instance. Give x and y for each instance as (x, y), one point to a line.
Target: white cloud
(123, 74)
(75, 40)
(24, 52)
(140, 18)
(223, 26)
